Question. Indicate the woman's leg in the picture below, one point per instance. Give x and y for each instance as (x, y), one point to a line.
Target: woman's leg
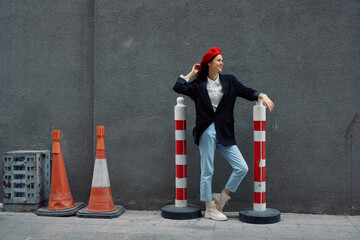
(227, 191)
(207, 146)
(234, 157)
(236, 160)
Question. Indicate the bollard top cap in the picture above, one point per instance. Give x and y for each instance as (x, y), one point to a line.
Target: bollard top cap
(55, 135)
(100, 131)
(259, 102)
(259, 111)
(180, 100)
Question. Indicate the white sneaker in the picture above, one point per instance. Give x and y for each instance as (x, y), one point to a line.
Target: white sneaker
(220, 200)
(212, 212)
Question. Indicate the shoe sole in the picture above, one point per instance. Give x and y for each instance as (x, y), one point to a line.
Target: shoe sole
(206, 216)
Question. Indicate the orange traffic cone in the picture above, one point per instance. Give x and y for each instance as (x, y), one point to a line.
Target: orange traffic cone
(61, 202)
(101, 203)
(100, 197)
(60, 195)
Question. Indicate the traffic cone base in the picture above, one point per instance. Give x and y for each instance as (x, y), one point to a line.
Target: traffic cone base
(83, 213)
(60, 213)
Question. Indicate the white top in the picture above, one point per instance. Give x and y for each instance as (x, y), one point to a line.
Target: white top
(214, 89)
(215, 92)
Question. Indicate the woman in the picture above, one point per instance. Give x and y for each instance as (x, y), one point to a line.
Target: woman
(214, 95)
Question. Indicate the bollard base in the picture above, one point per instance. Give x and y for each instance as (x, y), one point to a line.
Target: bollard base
(60, 213)
(260, 217)
(181, 213)
(83, 213)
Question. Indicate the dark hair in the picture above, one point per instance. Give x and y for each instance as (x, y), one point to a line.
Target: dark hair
(203, 72)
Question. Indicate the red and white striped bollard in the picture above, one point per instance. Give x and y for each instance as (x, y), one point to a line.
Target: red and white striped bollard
(180, 154)
(180, 210)
(259, 214)
(259, 116)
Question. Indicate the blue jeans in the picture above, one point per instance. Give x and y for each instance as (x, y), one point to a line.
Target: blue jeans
(207, 145)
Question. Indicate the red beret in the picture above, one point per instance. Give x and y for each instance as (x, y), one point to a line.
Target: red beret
(210, 54)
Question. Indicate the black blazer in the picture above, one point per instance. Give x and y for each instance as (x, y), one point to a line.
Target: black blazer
(224, 115)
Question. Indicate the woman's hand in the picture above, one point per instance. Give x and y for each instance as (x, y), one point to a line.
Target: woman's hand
(195, 69)
(267, 101)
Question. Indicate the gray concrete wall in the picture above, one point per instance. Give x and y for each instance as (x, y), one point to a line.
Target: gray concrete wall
(46, 74)
(116, 63)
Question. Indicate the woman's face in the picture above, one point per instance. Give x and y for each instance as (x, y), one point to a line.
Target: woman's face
(216, 64)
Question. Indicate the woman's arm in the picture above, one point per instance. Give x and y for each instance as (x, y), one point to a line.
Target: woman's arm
(251, 94)
(245, 92)
(182, 86)
(194, 71)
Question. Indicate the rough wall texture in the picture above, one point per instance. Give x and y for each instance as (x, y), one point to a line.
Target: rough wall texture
(74, 65)
(46, 74)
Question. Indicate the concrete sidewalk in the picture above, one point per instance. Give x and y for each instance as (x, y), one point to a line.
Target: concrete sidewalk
(150, 225)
